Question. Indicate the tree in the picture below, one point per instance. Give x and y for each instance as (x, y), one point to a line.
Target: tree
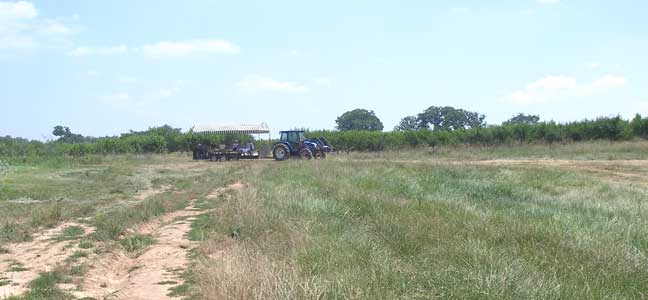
(522, 119)
(66, 136)
(639, 126)
(359, 119)
(61, 131)
(449, 118)
(407, 123)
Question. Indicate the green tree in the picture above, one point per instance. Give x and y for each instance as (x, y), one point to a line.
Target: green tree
(407, 123)
(449, 118)
(359, 119)
(61, 131)
(66, 136)
(639, 126)
(522, 119)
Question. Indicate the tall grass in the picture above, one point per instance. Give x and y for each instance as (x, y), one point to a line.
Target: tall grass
(367, 230)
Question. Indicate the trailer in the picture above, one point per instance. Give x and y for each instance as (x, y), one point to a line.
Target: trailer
(233, 151)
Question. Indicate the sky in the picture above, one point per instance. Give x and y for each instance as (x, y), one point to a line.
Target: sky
(106, 67)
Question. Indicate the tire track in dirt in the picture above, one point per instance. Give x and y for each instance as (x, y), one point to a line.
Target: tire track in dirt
(25, 261)
(154, 272)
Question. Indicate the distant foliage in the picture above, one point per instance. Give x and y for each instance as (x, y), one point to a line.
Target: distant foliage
(449, 118)
(604, 128)
(407, 123)
(359, 119)
(522, 119)
(165, 138)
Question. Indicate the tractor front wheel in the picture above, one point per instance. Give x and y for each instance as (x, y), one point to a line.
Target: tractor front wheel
(280, 152)
(305, 153)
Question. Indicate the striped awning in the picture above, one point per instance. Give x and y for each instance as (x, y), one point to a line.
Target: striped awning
(230, 128)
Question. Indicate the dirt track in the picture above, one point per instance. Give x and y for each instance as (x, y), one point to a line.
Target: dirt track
(112, 275)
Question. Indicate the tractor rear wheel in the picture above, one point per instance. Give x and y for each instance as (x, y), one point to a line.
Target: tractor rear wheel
(305, 153)
(280, 152)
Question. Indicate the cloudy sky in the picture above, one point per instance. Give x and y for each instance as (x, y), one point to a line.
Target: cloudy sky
(104, 67)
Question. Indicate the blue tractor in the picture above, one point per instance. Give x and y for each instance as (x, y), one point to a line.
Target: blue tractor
(293, 143)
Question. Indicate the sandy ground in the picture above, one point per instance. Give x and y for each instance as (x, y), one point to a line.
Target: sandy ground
(118, 276)
(153, 273)
(112, 275)
(41, 254)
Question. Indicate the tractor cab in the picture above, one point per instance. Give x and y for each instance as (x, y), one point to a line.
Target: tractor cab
(293, 143)
(293, 137)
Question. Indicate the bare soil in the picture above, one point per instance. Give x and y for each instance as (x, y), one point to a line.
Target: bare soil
(25, 261)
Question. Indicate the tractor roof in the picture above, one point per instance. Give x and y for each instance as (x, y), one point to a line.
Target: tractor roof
(291, 131)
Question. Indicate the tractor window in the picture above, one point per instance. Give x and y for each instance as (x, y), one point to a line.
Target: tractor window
(284, 136)
(293, 137)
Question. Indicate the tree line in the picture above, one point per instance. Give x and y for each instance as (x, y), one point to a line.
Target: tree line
(357, 130)
(162, 139)
(437, 126)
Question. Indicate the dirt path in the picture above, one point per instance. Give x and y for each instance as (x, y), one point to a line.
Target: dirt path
(153, 273)
(148, 276)
(25, 261)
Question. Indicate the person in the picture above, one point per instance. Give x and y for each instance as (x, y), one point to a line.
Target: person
(235, 145)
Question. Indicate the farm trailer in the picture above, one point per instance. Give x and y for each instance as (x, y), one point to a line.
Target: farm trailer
(234, 151)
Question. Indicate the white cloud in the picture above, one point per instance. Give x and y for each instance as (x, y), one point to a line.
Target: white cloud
(84, 51)
(21, 28)
(548, 1)
(53, 28)
(17, 10)
(323, 81)
(189, 47)
(255, 82)
(552, 83)
(608, 82)
(557, 88)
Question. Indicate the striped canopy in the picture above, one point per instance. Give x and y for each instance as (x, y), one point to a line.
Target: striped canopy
(230, 128)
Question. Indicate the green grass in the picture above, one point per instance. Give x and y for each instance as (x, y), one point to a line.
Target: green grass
(45, 193)
(593, 150)
(45, 288)
(419, 224)
(136, 244)
(86, 244)
(76, 256)
(4, 281)
(16, 266)
(70, 233)
(367, 230)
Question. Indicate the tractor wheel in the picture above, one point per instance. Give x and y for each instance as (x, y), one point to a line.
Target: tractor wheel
(322, 155)
(281, 152)
(305, 153)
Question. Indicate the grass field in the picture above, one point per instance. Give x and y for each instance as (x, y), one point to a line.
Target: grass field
(527, 222)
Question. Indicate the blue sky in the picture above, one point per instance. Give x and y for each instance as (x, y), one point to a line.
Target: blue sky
(104, 67)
